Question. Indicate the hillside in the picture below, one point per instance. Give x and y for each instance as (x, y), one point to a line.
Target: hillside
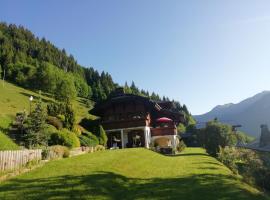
(15, 99)
(131, 174)
(250, 113)
(35, 63)
(6, 143)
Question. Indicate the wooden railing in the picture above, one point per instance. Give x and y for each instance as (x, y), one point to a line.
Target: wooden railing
(10, 160)
(117, 124)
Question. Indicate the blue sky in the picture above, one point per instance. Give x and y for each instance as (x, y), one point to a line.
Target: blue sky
(202, 53)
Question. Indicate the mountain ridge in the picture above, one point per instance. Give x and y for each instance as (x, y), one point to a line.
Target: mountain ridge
(250, 113)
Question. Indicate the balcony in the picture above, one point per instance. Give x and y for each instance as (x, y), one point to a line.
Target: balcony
(119, 124)
(163, 131)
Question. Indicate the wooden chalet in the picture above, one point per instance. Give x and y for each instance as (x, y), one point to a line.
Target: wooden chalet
(135, 121)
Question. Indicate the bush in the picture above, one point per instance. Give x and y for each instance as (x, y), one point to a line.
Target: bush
(230, 157)
(54, 121)
(94, 127)
(181, 146)
(78, 130)
(217, 134)
(99, 148)
(58, 151)
(65, 138)
(64, 111)
(102, 136)
(248, 163)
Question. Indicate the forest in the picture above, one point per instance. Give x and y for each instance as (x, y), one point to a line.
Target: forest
(35, 63)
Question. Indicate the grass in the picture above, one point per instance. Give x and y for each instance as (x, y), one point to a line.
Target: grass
(6, 143)
(131, 174)
(15, 99)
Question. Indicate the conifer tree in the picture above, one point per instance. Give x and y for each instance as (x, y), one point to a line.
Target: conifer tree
(35, 125)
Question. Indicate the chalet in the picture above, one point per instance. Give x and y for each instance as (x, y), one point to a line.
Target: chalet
(135, 121)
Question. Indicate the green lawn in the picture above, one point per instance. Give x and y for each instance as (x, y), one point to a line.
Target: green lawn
(131, 174)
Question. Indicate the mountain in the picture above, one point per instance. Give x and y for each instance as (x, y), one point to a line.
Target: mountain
(250, 113)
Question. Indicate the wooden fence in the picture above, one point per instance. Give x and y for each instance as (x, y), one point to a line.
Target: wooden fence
(10, 160)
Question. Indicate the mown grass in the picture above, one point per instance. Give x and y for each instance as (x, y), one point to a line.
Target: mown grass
(131, 174)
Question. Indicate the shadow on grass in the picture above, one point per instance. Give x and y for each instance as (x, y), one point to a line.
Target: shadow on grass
(107, 185)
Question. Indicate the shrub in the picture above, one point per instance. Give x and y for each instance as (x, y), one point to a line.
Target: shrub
(64, 111)
(181, 146)
(58, 151)
(45, 154)
(94, 126)
(99, 148)
(102, 136)
(54, 121)
(78, 130)
(230, 157)
(65, 138)
(50, 129)
(217, 134)
(250, 164)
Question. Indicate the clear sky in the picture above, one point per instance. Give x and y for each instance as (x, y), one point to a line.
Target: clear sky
(202, 53)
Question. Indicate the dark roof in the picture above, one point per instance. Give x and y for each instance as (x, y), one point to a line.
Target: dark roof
(119, 96)
(97, 110)
(165, 104)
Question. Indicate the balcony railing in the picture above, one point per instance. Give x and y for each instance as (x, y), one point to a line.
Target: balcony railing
(119, 124)
(163, 131)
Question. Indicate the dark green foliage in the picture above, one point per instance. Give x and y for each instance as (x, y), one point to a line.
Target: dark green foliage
(35, 126)
(66, 110)
(54, 121)
(217, 135)
(65, 138)
(94, 127)
(181, 146)
(253, 166)
(66, 90)
(181, 128)
(87, 139)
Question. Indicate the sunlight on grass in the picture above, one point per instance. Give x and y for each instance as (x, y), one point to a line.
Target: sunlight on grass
(131, 174)
(15, 99)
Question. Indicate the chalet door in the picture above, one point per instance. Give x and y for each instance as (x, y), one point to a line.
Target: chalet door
(136, 139)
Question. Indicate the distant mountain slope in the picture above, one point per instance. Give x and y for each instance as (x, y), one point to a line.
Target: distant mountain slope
(250, 113)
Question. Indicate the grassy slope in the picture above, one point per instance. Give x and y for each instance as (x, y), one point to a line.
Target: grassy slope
(6, 143)
(131, 174)
(15, 99)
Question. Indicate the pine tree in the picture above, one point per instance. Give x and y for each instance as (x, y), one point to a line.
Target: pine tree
(35, 125)
(134, 89)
